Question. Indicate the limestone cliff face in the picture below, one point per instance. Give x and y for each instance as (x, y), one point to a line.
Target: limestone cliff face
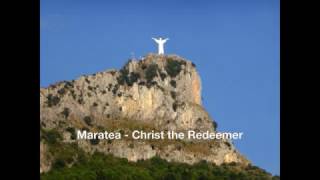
(156, 92)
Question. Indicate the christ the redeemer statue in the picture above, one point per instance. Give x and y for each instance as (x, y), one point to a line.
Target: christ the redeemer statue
(160, 43)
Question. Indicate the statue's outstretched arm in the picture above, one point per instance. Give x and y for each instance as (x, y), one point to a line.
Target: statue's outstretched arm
(166, 39)
(156, 40)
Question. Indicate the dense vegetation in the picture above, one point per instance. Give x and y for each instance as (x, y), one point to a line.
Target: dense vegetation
(101, 167)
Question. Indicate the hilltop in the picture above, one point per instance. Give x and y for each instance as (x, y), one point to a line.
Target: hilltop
(152, 93)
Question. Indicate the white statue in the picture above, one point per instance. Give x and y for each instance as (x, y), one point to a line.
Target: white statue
(160, 43)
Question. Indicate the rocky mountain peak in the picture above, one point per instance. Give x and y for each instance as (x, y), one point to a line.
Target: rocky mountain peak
(157, 92)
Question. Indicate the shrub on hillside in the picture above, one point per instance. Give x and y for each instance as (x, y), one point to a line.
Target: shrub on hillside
(173, 83)
(163, 75)
(88, 120)
(215, 125)
(52, 100)
(72, 131)
(51, 136)
(174, 106)
(133, 78)
(66, 112)
(173, 94)
(123, 77)
(151, 72)
(94, 141)
(61, 91)
(173, 67)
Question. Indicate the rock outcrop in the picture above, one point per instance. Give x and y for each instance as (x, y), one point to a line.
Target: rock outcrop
(154, 93)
